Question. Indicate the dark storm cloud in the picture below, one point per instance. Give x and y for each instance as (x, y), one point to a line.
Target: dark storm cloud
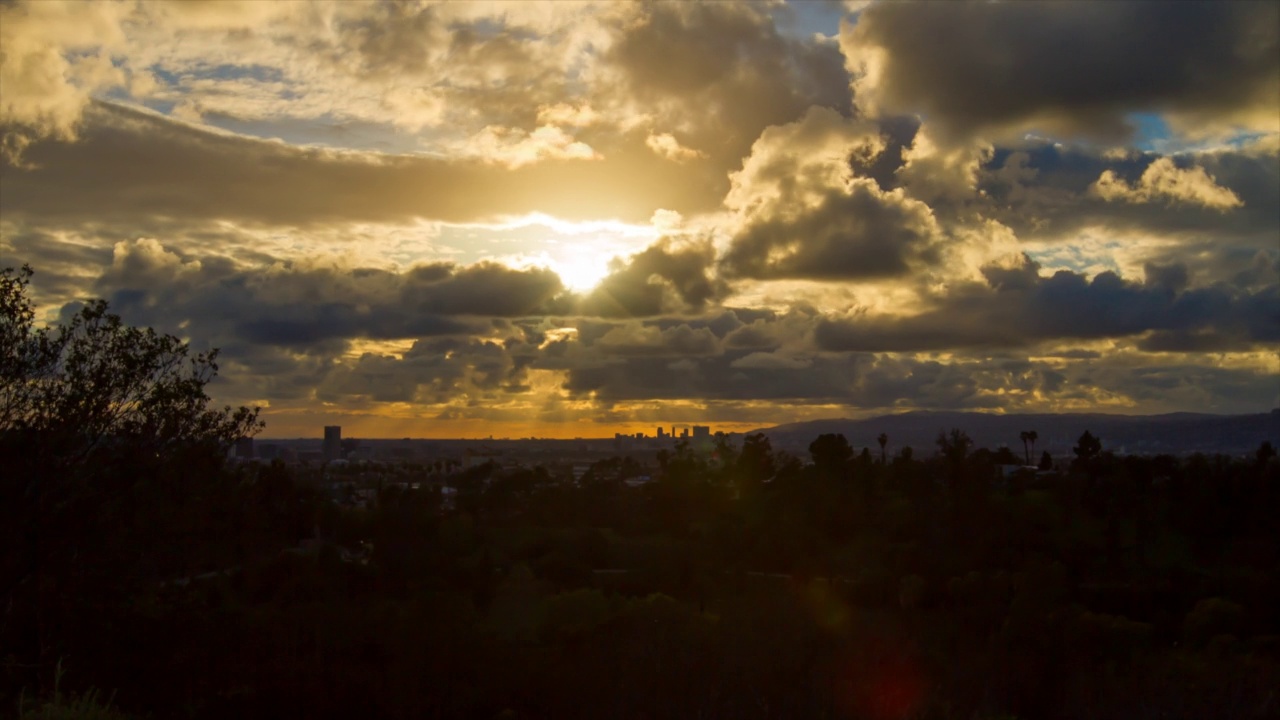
(761, 357)
(890, 381)
(1018, 307)
(434, 370)
(850, 234)
(485, 288)
(898, 134)
(681, 341)
(300, 306)
(64, 267)
(854, 379)
(1078, 67)
(717, 74)
(666, 277)
(1046, 190)
(134, 167)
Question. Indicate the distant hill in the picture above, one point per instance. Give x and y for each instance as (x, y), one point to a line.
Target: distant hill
(1175, 433)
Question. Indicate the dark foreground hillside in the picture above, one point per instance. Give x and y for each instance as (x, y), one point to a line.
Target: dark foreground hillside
(740, 583)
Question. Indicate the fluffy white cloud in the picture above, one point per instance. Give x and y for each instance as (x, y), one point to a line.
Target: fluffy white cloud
(1164, 181)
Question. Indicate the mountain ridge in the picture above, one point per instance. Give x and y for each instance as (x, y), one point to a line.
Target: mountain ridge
(1176, 433)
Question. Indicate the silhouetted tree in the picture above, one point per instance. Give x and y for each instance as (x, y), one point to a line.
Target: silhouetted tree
(1046, 461)
(1087, 450)
(1029, 437)
(954, 446)
(90, 412)
(71, 387)
(883, 439)
(756, 462)
(830, 453)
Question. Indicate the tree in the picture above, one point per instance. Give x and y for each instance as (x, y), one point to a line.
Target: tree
(883, 439)
(831, 452)
(71, 388)
(1029, 436)
(954, 446)
(1265, 452)
(95, 417)
(1046, 461)
(1087, 450)
(756, 462)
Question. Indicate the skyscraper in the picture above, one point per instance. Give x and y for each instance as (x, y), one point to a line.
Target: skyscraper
(332, 442)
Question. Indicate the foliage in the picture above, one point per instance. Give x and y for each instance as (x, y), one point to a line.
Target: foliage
(94, 379)
(830, 452)
(107, 438)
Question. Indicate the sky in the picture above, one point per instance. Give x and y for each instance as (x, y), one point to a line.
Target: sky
(570, 219)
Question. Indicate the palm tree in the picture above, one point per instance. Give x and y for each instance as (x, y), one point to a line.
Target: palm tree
(883, 439)
(1032, 436)
(1025, 436)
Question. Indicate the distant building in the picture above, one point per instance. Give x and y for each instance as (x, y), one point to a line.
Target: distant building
(701, 432)
(332, 442)
(661, 433)
(268, 451)
(244, 448)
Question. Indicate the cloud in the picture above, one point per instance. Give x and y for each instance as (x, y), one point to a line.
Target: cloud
(1055, 192)
(133, 167)
(1018, 307)
(464, 338)
(671, 276)
(860, 232)
(514, 147)
(635, 339)
(1077, 69)
(666, 145)
(717, 74)
(1162, 180)
(281, 179)
(432, 372)
(297, 305)
(51, 64)
(803, 213)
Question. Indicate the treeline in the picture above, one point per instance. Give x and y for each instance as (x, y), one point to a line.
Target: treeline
(738, 583)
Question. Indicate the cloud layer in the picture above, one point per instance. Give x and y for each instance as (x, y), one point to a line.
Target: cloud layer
(390, 215)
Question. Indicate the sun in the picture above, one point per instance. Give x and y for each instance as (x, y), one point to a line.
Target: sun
(583, 272)
(579, 252)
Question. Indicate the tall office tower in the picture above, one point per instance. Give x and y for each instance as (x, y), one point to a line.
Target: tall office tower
(701, 432)
(332, 442)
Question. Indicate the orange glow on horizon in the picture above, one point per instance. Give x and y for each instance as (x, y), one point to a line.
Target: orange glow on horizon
(291, 426)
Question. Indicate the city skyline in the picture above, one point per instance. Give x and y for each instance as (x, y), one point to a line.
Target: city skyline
(578, 219)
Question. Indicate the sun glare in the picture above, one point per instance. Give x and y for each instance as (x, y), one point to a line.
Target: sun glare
(579, 252)
(581, 273)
